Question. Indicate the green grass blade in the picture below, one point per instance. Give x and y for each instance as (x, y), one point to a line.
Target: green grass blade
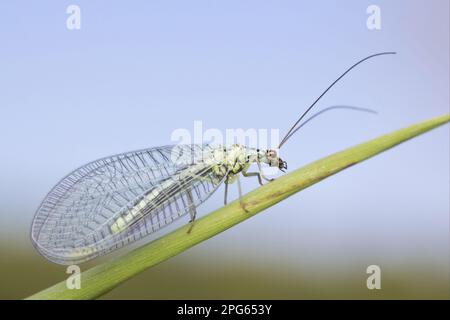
(105, 277)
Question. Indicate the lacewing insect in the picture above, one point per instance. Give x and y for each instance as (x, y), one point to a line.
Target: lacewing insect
(114, 201)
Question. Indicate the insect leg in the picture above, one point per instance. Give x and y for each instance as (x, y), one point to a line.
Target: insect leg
(226, 194)
(262, 174)
(240, 193)
(253, 174)
(192, 210)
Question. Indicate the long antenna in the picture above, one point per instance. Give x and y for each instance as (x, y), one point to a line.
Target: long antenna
(288, 134)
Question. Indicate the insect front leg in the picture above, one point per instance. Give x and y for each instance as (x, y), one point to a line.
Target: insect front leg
(261, 174)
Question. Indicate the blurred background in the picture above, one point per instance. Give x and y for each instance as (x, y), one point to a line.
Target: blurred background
(137, 71)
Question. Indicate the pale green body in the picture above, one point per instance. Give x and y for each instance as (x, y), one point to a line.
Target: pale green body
(227, 161)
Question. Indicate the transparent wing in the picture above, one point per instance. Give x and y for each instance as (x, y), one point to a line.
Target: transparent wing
(117, 200)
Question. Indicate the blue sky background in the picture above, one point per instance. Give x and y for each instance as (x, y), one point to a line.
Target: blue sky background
(138, 70)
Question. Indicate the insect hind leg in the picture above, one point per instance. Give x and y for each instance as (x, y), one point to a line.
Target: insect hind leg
(192, 210)
(226, 194)
(241, 201)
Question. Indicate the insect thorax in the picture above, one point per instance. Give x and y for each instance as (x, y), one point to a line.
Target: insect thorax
(233, 158)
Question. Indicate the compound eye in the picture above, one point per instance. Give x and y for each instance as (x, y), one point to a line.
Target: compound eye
(272, 153)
